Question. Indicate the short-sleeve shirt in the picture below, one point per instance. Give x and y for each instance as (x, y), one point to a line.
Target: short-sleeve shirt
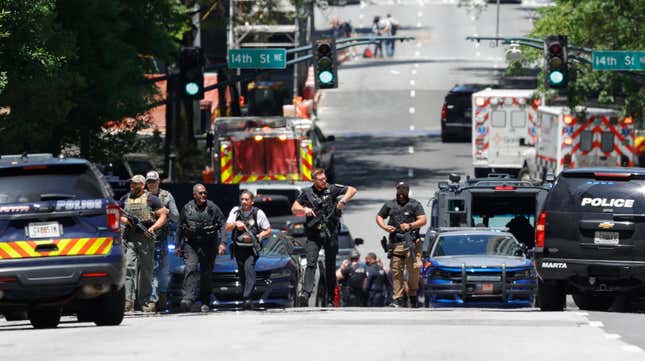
(263, 221)
(153, 201)
(332, 190)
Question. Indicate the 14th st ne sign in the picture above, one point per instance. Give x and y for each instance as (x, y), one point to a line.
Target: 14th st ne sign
(618, 60)
(257, 58)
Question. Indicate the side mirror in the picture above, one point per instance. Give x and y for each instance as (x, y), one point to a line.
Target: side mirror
(331, 138)
(358, 241)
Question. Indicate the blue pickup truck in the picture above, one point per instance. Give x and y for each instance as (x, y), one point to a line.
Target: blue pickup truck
(60, 245)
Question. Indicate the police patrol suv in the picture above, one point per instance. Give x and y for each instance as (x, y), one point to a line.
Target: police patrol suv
(60, 244)
(589, 238)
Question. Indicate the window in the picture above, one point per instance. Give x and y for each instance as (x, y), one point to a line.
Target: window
(518, 119)
(499, 119)
(607, 142)
(477, 244)
(586, 140)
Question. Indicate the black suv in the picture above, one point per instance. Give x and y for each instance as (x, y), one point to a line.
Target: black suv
(590, 238)
(60, 242)
(456, 113)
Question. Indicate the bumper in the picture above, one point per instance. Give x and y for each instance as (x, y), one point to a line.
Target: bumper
(57, 281)
(592, 275)
(456, 129)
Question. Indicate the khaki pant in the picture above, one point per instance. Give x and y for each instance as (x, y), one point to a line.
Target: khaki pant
(400, 261)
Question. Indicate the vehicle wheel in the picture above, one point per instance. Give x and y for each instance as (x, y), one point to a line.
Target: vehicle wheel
(552, 296)
(44, 317)
(524, 175)
(591, 302)
(15, 316)
(445, 138)
(110, 308)
(86, 312)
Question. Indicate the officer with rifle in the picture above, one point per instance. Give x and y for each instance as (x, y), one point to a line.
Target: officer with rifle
(406, 217)
(249, 226)
(198, 240)
(142, 216)
(321, 206)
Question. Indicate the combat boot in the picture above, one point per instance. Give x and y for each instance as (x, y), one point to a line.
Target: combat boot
(414, 302)
(129, 306)
(185, 305)
(149, 307)
(303, 299)
(162, 303)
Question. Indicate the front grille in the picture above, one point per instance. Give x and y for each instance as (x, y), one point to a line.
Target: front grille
(471, 283)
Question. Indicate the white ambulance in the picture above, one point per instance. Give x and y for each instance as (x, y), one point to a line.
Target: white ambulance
(504, 127)
(596, 137)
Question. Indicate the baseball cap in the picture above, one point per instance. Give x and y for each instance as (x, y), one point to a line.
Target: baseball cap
(152, 175)
(138, 179)
(402, 184)
(354, 254)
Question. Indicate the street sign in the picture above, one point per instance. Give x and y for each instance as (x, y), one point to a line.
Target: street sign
(618, 60)
(257, 58)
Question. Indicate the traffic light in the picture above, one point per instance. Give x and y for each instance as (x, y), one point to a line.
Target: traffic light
(191, 67)
(325, 64)
(555, 59)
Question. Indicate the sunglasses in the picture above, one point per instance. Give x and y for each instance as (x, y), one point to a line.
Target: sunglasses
(202, 193)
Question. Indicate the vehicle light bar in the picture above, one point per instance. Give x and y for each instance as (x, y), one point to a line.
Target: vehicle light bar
(569, 119)
(628, 120)
(258, 138)
(94, 275)
(604, 175)
(504, 188)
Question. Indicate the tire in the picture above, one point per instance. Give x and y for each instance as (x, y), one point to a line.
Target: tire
(551, 295)
(44, 317)
(110, 308)
(591, 302)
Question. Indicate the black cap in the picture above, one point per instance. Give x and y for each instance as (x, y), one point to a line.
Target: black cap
(402, 184)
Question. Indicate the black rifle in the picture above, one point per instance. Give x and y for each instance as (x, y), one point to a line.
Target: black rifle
(408, 241)
(322, 219)
(138, 225)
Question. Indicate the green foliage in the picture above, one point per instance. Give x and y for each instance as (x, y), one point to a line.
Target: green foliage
(599, 25)
(73, 66)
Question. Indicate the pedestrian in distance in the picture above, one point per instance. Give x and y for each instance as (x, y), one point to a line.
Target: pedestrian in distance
(377, 281)
(352, 279)
(160, 271)
(378, 29)
(320, 204)
(405, 217)
(143, 215)
(393, 27)
(199, 240)
(249, 226)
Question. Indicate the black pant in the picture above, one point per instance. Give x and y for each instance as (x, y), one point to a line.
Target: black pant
(376, 299)
(246, 267)
(312, 247)
(204, 255)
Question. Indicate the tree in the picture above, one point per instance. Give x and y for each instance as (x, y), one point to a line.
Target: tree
(599, 25)
(74, 66)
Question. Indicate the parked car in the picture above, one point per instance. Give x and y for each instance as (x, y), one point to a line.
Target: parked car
(456, 113)
(278, 275)
(477, 267)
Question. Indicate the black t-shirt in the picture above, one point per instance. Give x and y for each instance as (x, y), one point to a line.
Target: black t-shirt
(153, 201)
(397, 213)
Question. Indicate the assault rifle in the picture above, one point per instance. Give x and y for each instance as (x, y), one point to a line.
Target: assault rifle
(257, 247)
(137, 225)
(321, 221)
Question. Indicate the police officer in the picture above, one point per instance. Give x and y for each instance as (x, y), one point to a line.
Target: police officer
(198, 239)
(377, 282)
(319, 203)
(352, 276)
(249, 225)
(160, 272)
(406, 216)
(140, 210)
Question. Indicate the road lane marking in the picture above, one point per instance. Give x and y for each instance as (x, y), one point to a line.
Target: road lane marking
(412, 127)
(417, 53)
(412, 82)
(395, 72)
(411, 150)
(414, 71)
(412, 110)
(413, 93)
(418, 45)
(420, 14)
(418, 25)
(410, 173)
(416, 65)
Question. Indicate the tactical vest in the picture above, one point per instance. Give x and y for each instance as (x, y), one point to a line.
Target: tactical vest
(403, 214)
(251, 223)
(139, 208)
(357, 278)
(199, 224)
(322, 206)
(378, 278)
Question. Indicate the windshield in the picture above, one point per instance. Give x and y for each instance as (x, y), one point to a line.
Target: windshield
(18, 185)
(476, 244)
(275, 208)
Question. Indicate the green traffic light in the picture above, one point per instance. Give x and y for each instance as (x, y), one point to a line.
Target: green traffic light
(192, 88)
(326, 77)
(556, 77)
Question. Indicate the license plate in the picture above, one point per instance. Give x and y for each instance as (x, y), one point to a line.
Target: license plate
(606, 238)
(485, 288)
(44, 230)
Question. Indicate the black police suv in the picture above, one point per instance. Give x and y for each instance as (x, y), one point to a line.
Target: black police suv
(60, 243)
(590, 238)
(456, 113)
